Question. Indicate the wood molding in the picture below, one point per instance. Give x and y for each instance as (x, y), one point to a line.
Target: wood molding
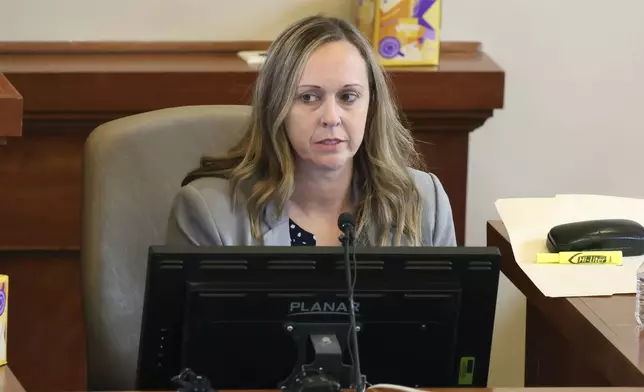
(448, 120)
(421, 121)
(131, 47)
(11, 103)
(136, 83)
(20, 47)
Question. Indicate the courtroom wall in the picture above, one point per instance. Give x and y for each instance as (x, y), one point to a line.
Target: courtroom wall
(156, 20)
(574, 89)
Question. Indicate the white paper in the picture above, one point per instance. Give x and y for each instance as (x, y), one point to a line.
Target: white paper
(528, 221)
(253, 58)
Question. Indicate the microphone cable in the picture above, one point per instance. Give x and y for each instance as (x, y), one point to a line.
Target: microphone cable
(346, 223)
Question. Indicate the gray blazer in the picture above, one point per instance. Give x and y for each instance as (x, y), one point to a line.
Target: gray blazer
(202, 214)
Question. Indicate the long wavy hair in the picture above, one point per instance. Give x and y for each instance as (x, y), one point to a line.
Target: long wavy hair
(388, 198)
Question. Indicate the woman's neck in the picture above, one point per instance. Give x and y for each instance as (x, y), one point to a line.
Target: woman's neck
(321, 191)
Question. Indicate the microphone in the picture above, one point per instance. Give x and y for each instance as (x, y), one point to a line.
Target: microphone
(347, 224)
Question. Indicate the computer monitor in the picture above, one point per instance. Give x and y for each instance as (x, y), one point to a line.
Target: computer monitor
(425, 315)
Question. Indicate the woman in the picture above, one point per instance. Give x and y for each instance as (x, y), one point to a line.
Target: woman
(324, 138)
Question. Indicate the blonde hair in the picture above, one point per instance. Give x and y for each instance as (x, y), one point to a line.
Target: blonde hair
(388, 197)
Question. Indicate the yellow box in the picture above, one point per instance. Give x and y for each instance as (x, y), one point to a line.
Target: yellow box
(4, 295)
(402, 32)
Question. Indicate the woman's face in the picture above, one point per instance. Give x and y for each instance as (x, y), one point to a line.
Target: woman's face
(326, 124)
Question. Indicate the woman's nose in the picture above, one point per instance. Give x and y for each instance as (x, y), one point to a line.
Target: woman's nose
(330, 115)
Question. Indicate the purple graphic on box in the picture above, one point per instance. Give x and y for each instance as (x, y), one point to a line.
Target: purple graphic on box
(419, 10)
(389, 47)
(3, 299)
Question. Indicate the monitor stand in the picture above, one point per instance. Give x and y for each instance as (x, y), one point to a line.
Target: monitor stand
(327, 372)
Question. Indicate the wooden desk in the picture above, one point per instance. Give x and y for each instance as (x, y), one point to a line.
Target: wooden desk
(9, 383)
(589, 341)
(71, 88)
(10, 111)
(587, 389)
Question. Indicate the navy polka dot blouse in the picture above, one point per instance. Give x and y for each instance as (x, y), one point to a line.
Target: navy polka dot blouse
(300, 237)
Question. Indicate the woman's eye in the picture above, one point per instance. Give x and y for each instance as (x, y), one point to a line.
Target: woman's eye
(308, 98)
(349, 97)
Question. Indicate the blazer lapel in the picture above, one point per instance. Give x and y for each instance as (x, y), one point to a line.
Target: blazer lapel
(276, 230)
(278, 235)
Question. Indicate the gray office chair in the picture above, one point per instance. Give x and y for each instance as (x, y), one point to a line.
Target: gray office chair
(133, 168)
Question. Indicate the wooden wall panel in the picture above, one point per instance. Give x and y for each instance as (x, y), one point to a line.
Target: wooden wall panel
(10, 110)
(41, 173)
(45, 331)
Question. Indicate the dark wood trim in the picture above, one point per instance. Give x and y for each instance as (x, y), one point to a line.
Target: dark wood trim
(46, 334)
(11, 103)
(109, 84)
(173, 47)
(7, 249)
(130, 47)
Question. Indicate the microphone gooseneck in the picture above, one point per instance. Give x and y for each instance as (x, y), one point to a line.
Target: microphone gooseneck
(346, 223)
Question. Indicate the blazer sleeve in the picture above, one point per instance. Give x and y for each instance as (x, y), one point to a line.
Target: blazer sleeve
(191, 221)
(438, 223)
(443, 233)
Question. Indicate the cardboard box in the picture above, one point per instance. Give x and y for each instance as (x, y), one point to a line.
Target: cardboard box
(402, 32)
(4, 295)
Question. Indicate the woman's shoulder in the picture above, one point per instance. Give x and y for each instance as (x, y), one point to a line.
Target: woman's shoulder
(202, 212)
(430, 187)
(426, 182)
(214, 186)
(437, 210)
(215, 192)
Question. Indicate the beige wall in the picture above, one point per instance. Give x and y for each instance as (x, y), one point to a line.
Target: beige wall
(574, 93)
(155, 20)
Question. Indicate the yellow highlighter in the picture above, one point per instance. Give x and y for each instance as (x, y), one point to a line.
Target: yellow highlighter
(613, 257)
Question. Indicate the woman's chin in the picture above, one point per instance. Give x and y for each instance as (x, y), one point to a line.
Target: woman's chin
(332, 164)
